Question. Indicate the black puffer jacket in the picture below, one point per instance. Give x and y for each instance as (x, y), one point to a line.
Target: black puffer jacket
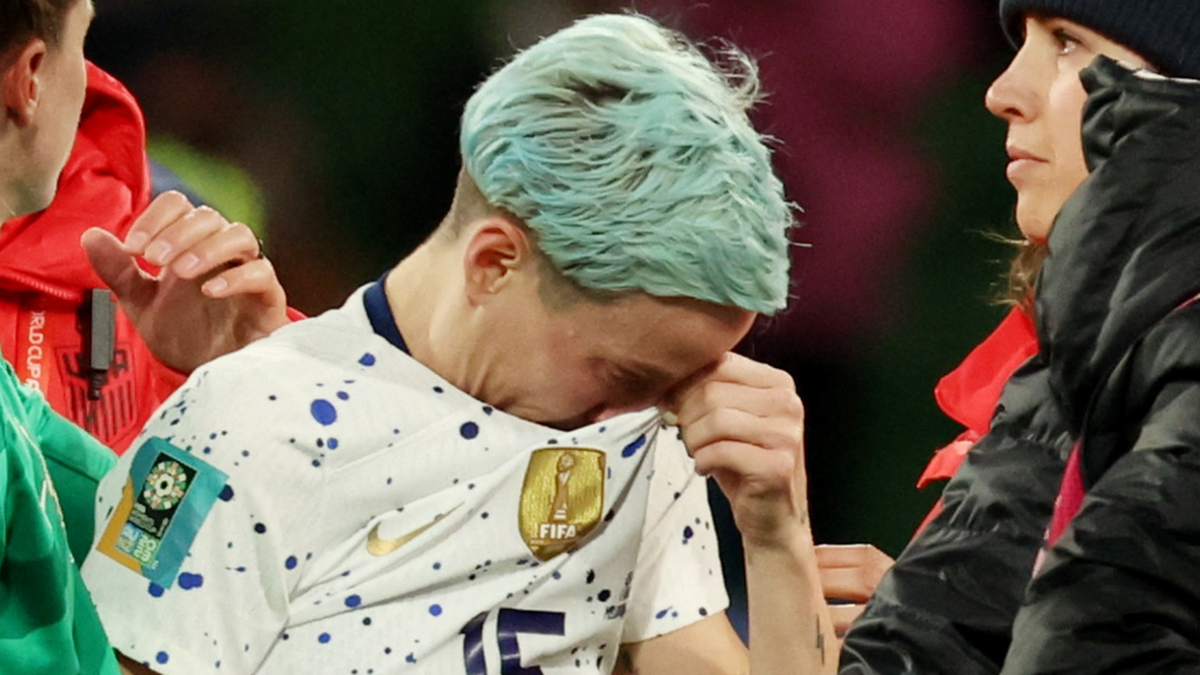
(1119, 371)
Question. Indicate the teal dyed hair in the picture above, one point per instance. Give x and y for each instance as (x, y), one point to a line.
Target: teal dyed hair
(631, 156)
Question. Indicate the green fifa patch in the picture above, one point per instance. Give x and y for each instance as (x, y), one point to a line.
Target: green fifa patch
(168, 495)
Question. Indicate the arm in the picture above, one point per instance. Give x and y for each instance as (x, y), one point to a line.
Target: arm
(215, 587)
(215, 293)
(707, 647)
(743, 424)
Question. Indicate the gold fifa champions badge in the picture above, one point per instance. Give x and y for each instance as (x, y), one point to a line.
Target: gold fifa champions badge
(562, 499)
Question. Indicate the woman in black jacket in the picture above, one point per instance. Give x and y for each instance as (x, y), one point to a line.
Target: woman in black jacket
(1070, 536)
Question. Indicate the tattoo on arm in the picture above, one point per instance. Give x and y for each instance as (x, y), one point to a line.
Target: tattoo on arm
(820, 640)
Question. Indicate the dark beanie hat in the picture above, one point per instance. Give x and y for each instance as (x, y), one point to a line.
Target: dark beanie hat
(1165, 32)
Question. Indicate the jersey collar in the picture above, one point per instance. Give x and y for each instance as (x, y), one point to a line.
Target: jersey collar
(379, 313)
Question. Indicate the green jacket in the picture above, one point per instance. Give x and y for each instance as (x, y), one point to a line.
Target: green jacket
(48, 625)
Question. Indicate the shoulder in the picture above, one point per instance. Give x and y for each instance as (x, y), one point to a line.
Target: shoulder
(1172, 342)
(1168, 352)
(1151, 396)
(337, 341)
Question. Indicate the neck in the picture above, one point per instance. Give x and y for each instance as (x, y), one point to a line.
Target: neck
(426, 297)
(413, 310)
(7, 199)
(10, 177)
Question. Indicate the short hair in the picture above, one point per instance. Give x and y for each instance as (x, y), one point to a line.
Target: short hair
(631, 156)
(22, 20)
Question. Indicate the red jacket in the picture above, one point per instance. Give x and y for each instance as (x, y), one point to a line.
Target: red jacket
(45, 275)
(970, 392)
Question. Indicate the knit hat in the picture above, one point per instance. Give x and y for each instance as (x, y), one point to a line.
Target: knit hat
(1165, 32)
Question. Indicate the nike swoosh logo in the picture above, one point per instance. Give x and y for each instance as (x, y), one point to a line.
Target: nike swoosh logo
(382, 547)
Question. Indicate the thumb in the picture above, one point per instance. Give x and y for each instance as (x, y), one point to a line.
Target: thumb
(113, 264)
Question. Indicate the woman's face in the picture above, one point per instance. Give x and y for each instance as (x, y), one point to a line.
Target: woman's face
(1041, 98)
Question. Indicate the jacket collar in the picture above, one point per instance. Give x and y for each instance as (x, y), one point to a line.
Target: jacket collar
(105, 183)
(1125, 249)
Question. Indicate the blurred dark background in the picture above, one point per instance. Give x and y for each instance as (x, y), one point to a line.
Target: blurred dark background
(332, 126)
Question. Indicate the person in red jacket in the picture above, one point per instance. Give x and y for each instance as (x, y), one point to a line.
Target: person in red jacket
(74, 188)
(58, 327)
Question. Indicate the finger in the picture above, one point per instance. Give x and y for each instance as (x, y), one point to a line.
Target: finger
(732, 369)
(844, 616)
(164, 210)
(233, 245)
(113, 264)
(764, 467)
(740, 369)
(255, 277)
(175, 241)
(850, 555)
(730, 424)
(853, 580)
(760, 401)
(855, 584)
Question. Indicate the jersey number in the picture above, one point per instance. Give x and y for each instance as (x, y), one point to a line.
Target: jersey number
(509, 624)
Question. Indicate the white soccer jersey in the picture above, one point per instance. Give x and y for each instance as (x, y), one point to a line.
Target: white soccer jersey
(319, 502)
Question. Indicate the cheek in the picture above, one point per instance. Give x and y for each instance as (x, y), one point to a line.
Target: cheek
(558, 375)
(1065, 113)
(1039, 202)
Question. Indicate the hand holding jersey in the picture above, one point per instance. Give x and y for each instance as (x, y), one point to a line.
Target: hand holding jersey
(213, 281)
(744, 425)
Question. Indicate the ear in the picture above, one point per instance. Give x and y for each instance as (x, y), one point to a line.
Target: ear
(497, 252)
(20, 86)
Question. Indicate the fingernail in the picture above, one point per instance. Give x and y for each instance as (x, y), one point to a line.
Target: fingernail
(158, 251)
(670, 419)
(186, 263)
(136, 241)
(214, 286)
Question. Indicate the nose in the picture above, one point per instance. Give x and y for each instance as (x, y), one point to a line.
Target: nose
(1011, 96)
(1005, 99)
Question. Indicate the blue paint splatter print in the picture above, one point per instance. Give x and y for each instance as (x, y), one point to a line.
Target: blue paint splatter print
(323, 411)
(633, 447)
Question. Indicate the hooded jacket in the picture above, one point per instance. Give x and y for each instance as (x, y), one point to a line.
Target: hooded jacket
(1115, 388)
(47, 321)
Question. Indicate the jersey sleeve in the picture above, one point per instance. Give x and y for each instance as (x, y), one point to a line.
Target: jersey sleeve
(678, 579)
(204, 527)
(75, 461)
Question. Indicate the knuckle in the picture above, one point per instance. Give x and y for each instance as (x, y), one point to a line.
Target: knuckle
(785, 379)
(795, 436)
(709, 394)
(868, 579)
(722, 418)
(174, 197)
